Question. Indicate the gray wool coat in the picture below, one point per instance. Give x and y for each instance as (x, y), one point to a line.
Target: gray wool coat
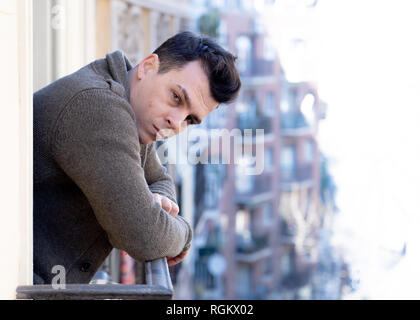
(93, 180)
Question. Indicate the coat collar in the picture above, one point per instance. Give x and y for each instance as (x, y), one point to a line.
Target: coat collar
(119, 65)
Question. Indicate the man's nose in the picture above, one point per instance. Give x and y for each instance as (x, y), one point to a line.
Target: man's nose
(175, 121)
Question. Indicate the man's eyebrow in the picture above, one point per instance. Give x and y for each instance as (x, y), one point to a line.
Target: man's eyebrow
(185, 94)
(188, 101)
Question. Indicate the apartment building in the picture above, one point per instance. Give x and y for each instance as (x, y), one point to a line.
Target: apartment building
(256, 235)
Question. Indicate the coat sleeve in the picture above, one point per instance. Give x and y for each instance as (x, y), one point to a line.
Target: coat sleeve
(157, 176)
(161, 182)
(95, 142)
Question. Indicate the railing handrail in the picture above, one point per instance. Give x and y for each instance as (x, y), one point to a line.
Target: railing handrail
(158, 285)
(157, 273)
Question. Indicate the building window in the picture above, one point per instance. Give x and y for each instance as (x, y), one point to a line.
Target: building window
(286, 264)
(267, 215)
(292, 96)
(288, 162)
(243, 225)
(211, 196)
(285, 207)
(269, 52)
(268, 267)
(244, 282)
(308, 151)
(269, 106)
(243, 182)
(246, 103)
(284, 104)
(244, 52)
(288, 109)
(216, 118)
(259, 26)
(247, 111)
(268, 159)
(223, 34)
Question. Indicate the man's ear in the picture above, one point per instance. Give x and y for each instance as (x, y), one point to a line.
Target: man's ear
(148, 64)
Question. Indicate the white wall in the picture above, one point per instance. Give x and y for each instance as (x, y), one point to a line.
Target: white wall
(16, 146)
(64, 38)
(74, 48)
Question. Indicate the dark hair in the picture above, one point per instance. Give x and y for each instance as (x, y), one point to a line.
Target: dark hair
(218, 64)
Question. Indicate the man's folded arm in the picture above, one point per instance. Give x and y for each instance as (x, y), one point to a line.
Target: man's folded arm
(161, 182)
(157, 176)
(95, 142)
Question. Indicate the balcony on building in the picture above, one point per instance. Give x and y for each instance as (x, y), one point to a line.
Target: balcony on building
(301, 273)
(256, 67)
(254, 71)
(209, 244)
(202, 275)
(300, 176)
(294, 124)
(257, 122)
(252, 190)
(263, 67)
(299, 117)
(252, 249)
(287, 233)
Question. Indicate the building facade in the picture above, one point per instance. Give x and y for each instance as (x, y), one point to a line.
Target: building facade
(260, 231)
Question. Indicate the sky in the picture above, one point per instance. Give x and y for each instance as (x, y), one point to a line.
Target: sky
(365, 58)
(368, 73)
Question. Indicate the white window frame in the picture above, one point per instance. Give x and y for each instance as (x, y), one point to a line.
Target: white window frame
(16, 142)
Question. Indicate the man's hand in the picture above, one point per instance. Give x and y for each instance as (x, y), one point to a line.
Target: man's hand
(167, 204)
(173, 209)
(175, 260)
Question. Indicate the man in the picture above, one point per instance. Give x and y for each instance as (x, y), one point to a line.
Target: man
(98, 183)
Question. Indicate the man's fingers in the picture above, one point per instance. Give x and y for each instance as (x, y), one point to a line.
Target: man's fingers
(175, 208)
(157, 198)
(167, 205)
(164, 202)
(175, 260)
(170, 206)
(171, 262)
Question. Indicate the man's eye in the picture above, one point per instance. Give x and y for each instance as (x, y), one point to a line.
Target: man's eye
(189, 120)
(176, 97)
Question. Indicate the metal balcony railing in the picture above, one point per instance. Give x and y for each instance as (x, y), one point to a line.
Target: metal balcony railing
(262, 67)
(157, 285)
(256, 243)
(295, 124)
(260, 190)
(287, 234)
(258, 68)
(258, 122)
(297, 174)
(255, 250)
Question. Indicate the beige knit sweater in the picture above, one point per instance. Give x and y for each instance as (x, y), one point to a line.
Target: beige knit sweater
(93, 180)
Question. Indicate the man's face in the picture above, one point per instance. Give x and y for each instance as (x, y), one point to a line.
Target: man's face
(165, 103)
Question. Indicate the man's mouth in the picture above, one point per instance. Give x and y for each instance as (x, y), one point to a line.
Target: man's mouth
(159, 134)
(156, 129)
(162, 134)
